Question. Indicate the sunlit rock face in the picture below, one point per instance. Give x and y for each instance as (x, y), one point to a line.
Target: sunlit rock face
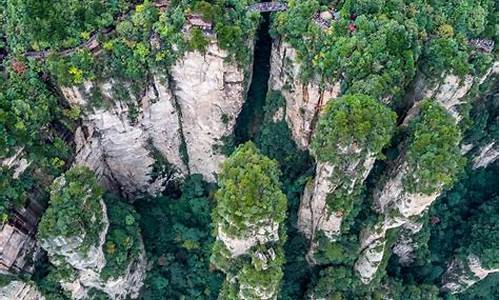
(117, 147)
(210, 92)
(461, 275)
(123, 286)
(262, 234)
(485, 155)
(304, 101)
(20, 290)
(450, 92)
(314, 214)
(399, 207)
(82, 257)
(184, 117)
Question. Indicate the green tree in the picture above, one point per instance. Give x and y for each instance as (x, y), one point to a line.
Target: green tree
(434, 152)
(75, 208)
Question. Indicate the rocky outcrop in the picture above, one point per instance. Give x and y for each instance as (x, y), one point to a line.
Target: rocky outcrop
(117, 148)
(71, 249)
(399, 207)
(16, 162)
(405, 246)
(209, 92)
(17, 250)
(20, 290)
(123, 286)
(255, 235)
(314, 214)
(485, 155)
(461, 275)
(85, 260)
(304, 101)
(185, 117)
(449, 92)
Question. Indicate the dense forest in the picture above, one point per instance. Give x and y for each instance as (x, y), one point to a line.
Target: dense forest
(222, 149)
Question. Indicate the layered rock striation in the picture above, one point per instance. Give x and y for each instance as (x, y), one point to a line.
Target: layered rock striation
(184, 118)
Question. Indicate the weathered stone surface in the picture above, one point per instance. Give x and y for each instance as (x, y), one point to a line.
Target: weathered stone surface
(17, 162)
(209, 92)
(198, 104)
(17, 250)
(88, 266)
(19, 290)
(68, 249)
(398, 207)
(262, 234)
(461, 275)
(303, 101)
(117, 148)
(124, 286)
(485, 156)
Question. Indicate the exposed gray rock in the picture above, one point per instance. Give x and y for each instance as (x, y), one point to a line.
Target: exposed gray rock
(303, 101)
(210, 92)
(20, 290)
(399, 207)
(17, 162)
(193, 109)
(116, 148)
(461, 275)
(485, 156)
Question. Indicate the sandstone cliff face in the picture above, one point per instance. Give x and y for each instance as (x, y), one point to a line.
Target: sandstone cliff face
(122, 286)
(485, 156)
(87, 266)
(398, 207)
(303, 101)
(314, 214)
(449, 92)
(263, 234)
(20, 290)
(193, 109)
(210, 93)
(461, 275)
(117, 149)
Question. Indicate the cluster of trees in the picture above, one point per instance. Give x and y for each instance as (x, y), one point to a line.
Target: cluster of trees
(249, 203)
(469, 214)
(123, 240)
(434, 152)
(75, 209)
(351, 130)
(147, 39)
(179, 250)
(37, 25)
(378, 55)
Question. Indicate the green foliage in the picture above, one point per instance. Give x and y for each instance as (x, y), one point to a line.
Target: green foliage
(352, 121)
(249, 191)
(465, 222)
(434, 154)
(353, 127)
(176, 233)
(74, 208)
(379, 57)
(26, 107)
(33, 24)
(123, 240)
(198, 40)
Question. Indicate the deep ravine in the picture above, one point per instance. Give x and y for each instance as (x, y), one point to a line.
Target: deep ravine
(250, 117)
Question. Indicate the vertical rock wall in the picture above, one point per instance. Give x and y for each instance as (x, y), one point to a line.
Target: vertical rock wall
(461, 275)
(303, 101)
(209, 92)
(194, 109)
(20, 290)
